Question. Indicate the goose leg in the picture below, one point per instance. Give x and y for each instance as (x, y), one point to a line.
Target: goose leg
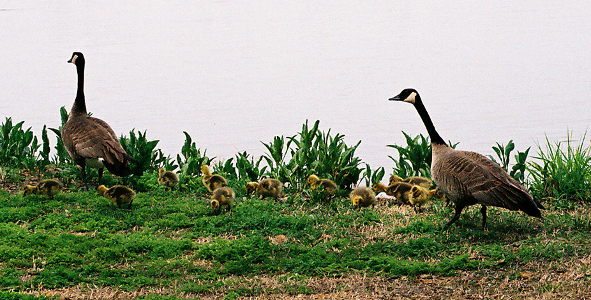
(455, 217)
(483, 212)
(100, 174)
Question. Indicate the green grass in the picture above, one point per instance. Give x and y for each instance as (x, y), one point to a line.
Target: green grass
(174, 239)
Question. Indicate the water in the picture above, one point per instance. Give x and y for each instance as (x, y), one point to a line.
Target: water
(235, 73)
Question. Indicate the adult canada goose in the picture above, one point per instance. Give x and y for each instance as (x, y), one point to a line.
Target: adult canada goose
(362, 197)
(467, 178)
(167, 178)
(119, 194)
(91, 141)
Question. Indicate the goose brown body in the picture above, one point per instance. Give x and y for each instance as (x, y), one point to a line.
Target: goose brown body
(467, 178)
(91, 141)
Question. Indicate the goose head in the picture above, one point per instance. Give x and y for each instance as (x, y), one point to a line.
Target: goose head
(77, 59)
(407, 95)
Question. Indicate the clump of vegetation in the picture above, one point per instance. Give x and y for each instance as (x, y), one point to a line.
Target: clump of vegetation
(504, 157)
(312, 151)
(562, 171)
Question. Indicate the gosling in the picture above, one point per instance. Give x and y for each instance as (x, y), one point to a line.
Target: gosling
(362, 197)
(400, 190)
(212, 182)
(222, 197)
(47, 188)
(251, 187)
(167, 178)
(329, 186)
(269, 187)
(120, 195)
(420, 196)
(415, 180)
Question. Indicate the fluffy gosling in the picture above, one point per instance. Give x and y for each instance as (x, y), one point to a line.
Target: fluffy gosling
(415, 180)
(269, 187)
(47, 188)
(400, 190)
(362, 197)
(222, 197)
(251, 187)
(167, 178)
(420, 196)
(212, 182)
(120, 195)
(329, 186)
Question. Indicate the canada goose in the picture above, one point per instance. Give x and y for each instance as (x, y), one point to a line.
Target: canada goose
(400, 190)
(269, 187)
(223, 196)
(329, 186)
(362, 197)
(167, 178)
(47, 188)
(468, 178)
(416, 180)
(91, 141)
(212, 182)
(420, 196)
(119, 194)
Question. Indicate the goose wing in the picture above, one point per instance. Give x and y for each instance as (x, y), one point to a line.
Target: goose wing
(464, 174)
(89, 138)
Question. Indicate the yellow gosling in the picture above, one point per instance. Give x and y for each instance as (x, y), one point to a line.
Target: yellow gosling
(167, 178)
(120, 195)
(362, 197)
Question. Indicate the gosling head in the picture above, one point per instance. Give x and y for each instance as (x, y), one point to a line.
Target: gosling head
(379, 187)
(101, 189)
(29, 190)
(357, 201)
(416, 191)
(251, 187)
(77, 59)
(312, 180)
(161, 172)
(395, 178)
(407, 95)
(215, 204)
(205, 169)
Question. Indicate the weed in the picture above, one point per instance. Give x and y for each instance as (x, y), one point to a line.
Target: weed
(504, 157)
(562, 171)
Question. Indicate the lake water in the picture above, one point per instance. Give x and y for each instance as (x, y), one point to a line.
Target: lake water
(235, 73)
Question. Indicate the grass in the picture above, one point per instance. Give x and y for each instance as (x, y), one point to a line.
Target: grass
(173, 245)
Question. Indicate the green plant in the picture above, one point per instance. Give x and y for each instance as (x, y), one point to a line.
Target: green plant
(191, 159)
(562, 171)
(372, 177)
(61, 156)
(146, 156)
(18, 147)
(248, 169)
(313, 152)
(226, 168)
(504, 159)
(414, 159)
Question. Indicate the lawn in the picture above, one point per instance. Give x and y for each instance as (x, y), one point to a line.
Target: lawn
(171, 245)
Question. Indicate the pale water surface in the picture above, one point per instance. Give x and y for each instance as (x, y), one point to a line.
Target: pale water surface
(235, 73)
